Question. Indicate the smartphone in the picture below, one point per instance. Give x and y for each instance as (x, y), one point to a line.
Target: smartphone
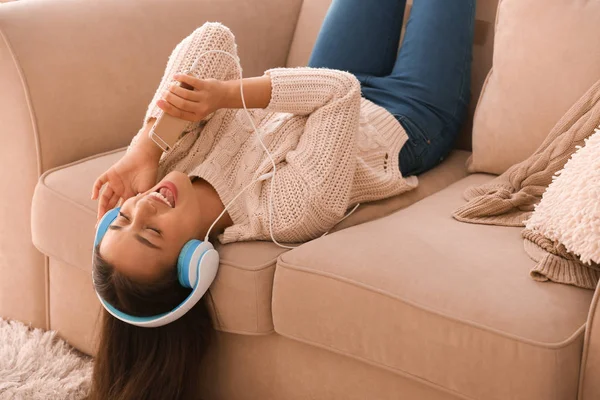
(167, 129)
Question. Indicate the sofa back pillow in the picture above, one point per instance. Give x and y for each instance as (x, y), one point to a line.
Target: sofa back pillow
(546, 55)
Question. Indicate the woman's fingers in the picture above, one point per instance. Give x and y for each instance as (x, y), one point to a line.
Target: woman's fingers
(112, 203)
(128, 194)
(98, 185)
(176, 112)
(182, 104)
(105, 198)
(185, 94)
(190, 80)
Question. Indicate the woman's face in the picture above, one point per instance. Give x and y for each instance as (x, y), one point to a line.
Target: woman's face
(144, 241)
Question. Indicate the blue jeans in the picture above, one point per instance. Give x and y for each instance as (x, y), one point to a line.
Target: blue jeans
(426, 86)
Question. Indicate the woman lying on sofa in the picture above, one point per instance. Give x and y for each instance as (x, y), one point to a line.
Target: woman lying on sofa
(337, 138)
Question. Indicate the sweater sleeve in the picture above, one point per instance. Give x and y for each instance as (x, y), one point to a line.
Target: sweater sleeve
(313, 182)
(301, 91)
(210, 36)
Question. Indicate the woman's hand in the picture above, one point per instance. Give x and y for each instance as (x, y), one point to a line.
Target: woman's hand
(207, 96)
(136, 172)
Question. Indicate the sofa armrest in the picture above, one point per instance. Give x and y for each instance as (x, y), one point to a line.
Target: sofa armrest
(76, 78)
(589, 382)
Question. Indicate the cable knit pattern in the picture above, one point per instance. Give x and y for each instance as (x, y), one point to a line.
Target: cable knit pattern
(332, 148)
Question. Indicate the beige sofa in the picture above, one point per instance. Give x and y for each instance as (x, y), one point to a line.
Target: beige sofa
(412, 305)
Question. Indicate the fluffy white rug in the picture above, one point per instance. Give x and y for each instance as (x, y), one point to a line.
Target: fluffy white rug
(35, 364)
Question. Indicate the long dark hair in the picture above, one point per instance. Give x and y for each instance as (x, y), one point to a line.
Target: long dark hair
(147, 363)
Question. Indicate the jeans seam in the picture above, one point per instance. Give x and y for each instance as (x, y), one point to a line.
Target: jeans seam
(366, 79)
(390, 48)
(463, 101)
(423, 136)
(426, 139)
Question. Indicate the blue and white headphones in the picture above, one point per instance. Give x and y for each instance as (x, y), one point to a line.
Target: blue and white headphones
(196, 268)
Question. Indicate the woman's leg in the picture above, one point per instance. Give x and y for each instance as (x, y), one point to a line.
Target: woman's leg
(429, 87)
(360, 36)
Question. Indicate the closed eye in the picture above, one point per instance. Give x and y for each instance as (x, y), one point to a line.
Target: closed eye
(129, 220)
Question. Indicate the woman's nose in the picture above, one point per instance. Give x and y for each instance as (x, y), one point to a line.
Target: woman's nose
(143, 208)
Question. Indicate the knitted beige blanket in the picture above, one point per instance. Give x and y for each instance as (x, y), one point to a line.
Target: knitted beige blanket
(510, 199)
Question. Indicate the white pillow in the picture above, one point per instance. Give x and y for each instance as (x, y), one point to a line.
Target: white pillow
(569, 212)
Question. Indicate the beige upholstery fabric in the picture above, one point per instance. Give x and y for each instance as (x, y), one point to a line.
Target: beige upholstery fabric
(589, 384)
(545, 57)
(21, 265)
(307, 28)
(272, 367)
(418, 290)
(242, 289)
(74, 307)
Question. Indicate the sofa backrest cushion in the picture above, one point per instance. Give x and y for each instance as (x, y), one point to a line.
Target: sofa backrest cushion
(311, 18)
(546, 56)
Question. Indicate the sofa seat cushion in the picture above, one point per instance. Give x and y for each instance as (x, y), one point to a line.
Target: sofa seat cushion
(63, 219)
(447, 303)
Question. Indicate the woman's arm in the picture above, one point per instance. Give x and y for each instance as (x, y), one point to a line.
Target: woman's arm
(257, 92)
(300, 91)
(145, 144)
(209, 95)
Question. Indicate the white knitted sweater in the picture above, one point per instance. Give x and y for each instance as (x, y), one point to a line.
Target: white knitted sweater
(333, 149)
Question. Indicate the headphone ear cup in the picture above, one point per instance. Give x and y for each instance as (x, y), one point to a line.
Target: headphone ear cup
(183, 262)
(189, 261)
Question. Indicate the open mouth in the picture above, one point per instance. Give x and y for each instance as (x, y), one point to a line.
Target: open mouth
(166, 193)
